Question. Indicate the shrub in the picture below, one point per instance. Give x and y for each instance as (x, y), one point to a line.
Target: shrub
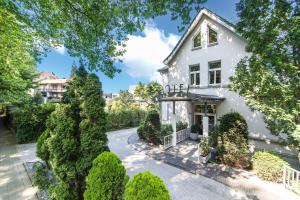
(195, 128)
(268, 166)
(149, 130)
(233, 141)
(181, 125)
(125, 118)
(30, 120)
(204, 148)
(107, 178)
(40, 176)
(146, 186)
(166, 129)
(41, 146)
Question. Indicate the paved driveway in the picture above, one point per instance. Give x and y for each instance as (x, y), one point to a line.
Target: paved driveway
(182, 185)
(14, 182)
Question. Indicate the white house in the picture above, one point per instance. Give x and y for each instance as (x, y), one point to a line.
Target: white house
(204, 59)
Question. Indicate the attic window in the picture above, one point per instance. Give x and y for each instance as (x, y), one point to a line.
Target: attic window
(197, 41)
(212, 36)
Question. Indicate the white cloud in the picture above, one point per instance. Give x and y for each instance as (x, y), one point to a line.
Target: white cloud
(145, 53)
(60, 49)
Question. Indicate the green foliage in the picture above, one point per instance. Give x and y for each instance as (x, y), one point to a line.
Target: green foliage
(268, 166)
(148, 92)
(125, 118)
(166, 129)
(204, 148)
(75, 135)
(30, 120)
(181, 125)
(40, 176)
(18, 57)
(195, 128)
(150, 128)
(106, 179)
(146, 186)
(269, 78)
(233, 141)
(95, 31)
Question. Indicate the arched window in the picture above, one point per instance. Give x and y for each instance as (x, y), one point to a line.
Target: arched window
(197, 41)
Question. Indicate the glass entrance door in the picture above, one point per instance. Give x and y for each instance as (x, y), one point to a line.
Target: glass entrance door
(198, 121)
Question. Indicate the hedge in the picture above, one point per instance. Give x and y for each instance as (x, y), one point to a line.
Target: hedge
(146, 186)
(268, 166)
(125, 118)
(30, 120)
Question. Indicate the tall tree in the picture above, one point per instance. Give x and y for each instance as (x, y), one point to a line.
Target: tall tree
(95, 30)
(269, 78)
(148, 92)
(75, 135)
(18, 57)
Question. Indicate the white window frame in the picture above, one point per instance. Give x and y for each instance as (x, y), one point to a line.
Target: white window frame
(208, 42)
(215, 73)
(194, 74)
(198, 33)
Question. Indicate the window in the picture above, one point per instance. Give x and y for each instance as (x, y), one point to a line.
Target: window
(197, 40)
(195, 74)
(214, 73)
(212, 36)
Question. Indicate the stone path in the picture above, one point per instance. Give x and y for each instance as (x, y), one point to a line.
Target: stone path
(14, 182)
(243, 181)
(181, 184)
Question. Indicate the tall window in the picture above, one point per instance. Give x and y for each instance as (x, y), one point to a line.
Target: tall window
(214, 73)
(212, 36)
(197, 41)
(195, 74)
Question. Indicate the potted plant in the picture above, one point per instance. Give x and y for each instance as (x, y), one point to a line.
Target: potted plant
(194, 132)
(204, 151)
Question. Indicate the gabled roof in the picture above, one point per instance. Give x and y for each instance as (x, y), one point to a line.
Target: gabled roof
(202, 12)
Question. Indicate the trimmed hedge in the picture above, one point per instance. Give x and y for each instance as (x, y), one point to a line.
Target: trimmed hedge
(146, 186)
(30, 120)
(233, 141)
(125, 118)
(268, 166)
(149, 129)
(107, 178)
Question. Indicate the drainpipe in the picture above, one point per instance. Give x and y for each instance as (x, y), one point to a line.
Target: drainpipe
(174, 139)
(205, 121)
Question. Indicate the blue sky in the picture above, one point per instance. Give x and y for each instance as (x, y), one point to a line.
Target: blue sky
(144, 52)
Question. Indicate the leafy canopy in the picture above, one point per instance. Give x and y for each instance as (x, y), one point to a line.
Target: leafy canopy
(269, 78)
(93, 30)
(148, 92)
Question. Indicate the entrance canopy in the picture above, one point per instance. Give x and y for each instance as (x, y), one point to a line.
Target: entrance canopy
(183, 96)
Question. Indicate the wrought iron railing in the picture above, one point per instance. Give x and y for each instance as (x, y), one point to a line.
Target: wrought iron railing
(291, 179)
(183, 134)
(180, 136)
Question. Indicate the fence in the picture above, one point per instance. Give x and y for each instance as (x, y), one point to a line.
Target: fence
(180, 136)
(291, 179)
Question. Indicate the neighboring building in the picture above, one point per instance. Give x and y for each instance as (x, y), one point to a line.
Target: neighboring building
(203, 60)
(51, 86)
(108, 96)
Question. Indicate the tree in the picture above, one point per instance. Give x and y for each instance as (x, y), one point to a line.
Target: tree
(268, 78)
(126, 98)
(107, 178)
(75, 136)
(146, 186)
(18, 57)
(95, 31)
(148, 92)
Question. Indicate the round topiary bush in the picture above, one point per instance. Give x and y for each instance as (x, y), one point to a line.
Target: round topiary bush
(146, 186)
(268, 166)
(232, 143)
(107, 178)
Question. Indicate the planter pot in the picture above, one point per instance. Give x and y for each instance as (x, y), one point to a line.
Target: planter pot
(213, 153)
(204, 159)
(194, 136)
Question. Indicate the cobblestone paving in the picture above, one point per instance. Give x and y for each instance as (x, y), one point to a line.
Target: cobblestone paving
(14, 182)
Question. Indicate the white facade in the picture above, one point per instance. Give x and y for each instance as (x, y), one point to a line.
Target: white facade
(229, 50)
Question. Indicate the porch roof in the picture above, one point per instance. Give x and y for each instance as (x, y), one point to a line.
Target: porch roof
(182, 96)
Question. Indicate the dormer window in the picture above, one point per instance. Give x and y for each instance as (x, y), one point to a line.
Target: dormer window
(212, 36)
(197, 41)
